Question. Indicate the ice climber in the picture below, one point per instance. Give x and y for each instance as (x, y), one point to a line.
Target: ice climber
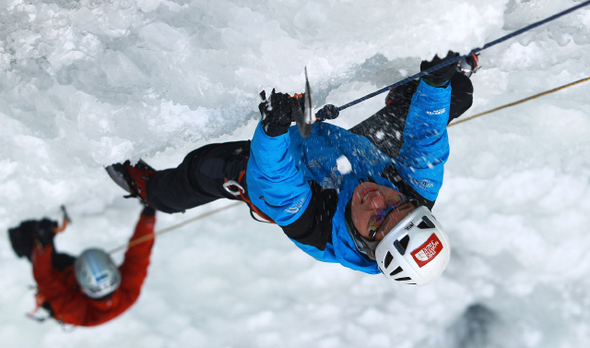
(360, 197)
(90, 289)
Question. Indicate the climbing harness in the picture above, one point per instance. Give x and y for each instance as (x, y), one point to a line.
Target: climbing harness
(458, 58)
(521, 101)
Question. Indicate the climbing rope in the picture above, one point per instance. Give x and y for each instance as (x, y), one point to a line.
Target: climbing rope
(521, 101)
(458, 58)
(171, 228)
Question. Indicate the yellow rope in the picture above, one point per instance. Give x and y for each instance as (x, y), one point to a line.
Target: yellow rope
(171, 228)
(521, 101)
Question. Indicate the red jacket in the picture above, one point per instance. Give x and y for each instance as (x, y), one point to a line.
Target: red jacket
(70, 305)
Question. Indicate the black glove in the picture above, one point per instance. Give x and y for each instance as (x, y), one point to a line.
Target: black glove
(328, 112)
(441, 76)
(277, 113)
(45, 233)
(21, 238)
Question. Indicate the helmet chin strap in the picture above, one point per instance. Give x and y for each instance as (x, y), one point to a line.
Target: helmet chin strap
(364, 246)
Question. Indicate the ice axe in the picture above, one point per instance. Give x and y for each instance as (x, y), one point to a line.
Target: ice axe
(65, 213)
(304, 118)
(65, 222)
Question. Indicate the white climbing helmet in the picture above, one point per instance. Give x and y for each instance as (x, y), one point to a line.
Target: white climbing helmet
(416, 251)
(96, 273)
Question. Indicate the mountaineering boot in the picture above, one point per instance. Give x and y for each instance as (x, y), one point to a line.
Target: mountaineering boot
(132, 178)
(468, 65)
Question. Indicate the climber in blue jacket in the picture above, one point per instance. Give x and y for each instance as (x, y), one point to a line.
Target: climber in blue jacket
(360, 197)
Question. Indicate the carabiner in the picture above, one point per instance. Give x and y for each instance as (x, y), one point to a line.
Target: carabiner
(227, 186)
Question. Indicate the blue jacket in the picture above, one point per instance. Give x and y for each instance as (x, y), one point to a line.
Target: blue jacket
(280, 169)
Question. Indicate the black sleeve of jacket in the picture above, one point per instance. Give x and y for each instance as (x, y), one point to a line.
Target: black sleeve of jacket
(314, 227)
(390, 173)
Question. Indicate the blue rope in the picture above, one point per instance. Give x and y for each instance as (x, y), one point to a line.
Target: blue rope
(458, 58)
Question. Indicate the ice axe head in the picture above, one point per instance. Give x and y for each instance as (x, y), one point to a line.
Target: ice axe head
(304, 118)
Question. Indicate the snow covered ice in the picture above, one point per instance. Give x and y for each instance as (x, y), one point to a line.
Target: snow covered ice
(87, 83)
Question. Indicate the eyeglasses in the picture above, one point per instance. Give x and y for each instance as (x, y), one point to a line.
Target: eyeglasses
(377, 220)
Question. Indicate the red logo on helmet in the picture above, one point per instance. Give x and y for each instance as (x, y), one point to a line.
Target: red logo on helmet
(427, 251)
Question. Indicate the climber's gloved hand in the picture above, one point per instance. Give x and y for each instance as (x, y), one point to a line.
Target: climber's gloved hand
(440, 77)
(277, 112)
(328, 112)
(45, 232)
